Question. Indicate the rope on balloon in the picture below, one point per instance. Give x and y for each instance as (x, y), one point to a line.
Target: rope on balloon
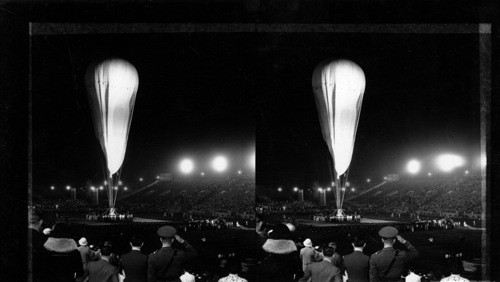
(345, 185)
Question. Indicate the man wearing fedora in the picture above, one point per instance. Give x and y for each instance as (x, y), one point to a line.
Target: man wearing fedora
(85, 254)
(167, 264)
(388, 264)
(323, 271)
(307, 254)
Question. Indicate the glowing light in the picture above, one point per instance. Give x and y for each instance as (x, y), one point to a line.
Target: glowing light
(140, 179)
(186, 166)
(125, 188)
(239, 171)
(101, 188)
(413, 166)
(120, 182)
(105, 182)
(368, 180)
(157, 177)
(338, 91)
(112, 87)
(251, 161)
(202, 174)
(52, 187)
(116, 188)
(295, 189)
(328, 189)
(484, 160)
(385, 177)
(429, 174)
(219, 164)
(348, 184)
(449, 162)
(92, 188)
(280, 189)
(353, 190)
(466, 172)
(320, 190)
(343, 188)
(68, 187)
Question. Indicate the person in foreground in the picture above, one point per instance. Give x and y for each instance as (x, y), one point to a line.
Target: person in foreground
(134, 263)
(102, 270)
(388, 264)
(357, 264)
(63, 262)
(456, 268)
(282, 261)
(167, 264)
(323, 271)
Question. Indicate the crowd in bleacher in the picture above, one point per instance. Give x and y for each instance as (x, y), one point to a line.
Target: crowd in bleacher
(231, 198)
(460, 195)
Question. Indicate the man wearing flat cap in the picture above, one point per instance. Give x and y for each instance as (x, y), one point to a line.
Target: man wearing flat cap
(167, 264)
(388, 264)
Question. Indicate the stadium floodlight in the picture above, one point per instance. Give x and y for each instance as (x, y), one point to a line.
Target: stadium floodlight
(219, 164)
(413, 166)
(186, 166)
(295, 189)
(280, 189)
(252, 161)
(448, 162)
(483, 160)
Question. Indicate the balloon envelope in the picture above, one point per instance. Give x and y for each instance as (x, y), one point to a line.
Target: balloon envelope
(338, 91)
(112, 87)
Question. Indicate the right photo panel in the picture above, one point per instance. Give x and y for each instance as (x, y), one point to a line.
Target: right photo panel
(370, 155)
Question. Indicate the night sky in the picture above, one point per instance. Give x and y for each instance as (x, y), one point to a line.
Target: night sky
(195, 100)
(421, 99)
(206, 93)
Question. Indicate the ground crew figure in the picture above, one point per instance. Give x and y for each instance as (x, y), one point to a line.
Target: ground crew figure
(388, 264)
(167, 264)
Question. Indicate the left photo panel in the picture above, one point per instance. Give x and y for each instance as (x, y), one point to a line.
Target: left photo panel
(143, 149)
